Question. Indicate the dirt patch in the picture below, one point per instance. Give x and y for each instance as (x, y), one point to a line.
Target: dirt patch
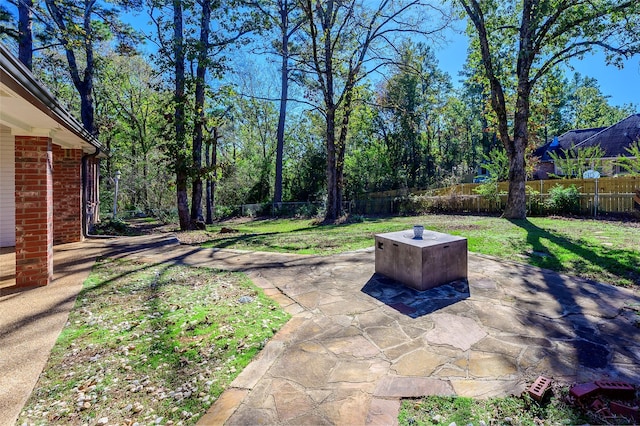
(463, 227)
(145, 226)
(194, 237)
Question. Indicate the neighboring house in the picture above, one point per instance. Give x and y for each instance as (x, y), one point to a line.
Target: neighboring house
(49, 171)
(613, 140)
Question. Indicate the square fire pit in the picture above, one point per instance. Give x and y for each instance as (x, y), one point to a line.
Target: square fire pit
(424, 263)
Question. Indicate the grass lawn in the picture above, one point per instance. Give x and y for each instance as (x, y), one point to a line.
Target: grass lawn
(600, 250)
(445, 410)
(151, 341)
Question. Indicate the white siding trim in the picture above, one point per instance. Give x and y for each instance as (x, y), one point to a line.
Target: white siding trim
(7, 188)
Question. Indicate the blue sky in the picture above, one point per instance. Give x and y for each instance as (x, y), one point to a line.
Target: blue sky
(623, 86)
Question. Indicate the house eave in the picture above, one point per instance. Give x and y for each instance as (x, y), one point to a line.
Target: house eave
(32, 96)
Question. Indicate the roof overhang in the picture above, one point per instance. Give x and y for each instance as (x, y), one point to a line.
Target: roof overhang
(29, 109)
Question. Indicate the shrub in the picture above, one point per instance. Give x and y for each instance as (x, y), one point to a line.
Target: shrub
(535, 205)
(166, 215)
(631, 164)
(489, 190)
(307, 210)
(226, 211)
(563, 200)
(115, 226)
(355, 218)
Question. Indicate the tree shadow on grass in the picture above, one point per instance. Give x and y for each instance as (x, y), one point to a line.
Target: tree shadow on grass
(617, 262)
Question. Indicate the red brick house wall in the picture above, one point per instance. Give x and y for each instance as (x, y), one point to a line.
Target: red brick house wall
(34, 210)
(543, 170)
(67, 191)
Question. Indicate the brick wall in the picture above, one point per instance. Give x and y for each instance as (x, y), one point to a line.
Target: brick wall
(67, 191)
(34, 210)
(543, 170)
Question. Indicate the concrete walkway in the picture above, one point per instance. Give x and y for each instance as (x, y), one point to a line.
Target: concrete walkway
(358, 342)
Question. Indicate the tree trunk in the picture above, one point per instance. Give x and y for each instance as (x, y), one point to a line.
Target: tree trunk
(212, 176)
(25, 36)
(332, 176)
(145, 186)
(182, 200)
(341, 147)
(284, 74)
(209, 201)
(284, 9)
(516, 207)
(207, 195)
(201, 72)
(84, 84)
(196, 181)
(86, 106)
(179, 118)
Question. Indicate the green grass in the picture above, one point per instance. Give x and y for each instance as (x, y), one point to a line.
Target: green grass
(146, 341)
(443, 410)
(600, 250)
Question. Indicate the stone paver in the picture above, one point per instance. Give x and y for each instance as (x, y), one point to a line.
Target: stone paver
(452, 330)
(383, 412)
(224, 407)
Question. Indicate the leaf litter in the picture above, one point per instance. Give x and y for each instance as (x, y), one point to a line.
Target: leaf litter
(151, 344)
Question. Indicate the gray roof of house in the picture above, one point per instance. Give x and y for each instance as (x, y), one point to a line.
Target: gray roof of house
(565, 141)
(613, 139)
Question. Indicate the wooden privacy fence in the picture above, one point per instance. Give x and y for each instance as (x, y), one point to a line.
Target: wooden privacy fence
(613, 195)
(606, 203)
(607, 185)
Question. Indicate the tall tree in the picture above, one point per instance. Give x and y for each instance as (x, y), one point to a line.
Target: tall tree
(168, 17)
(549, 107)
(181, 160)
(287, 17)
(25, 35)
(345, 37)
(589, 107)
(543, 34)
(411, 102)
(209, 54)
(217, 25)
(129, 111)
(78, 27)
(201, 72)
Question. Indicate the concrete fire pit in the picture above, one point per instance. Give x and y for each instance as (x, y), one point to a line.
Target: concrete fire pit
(421, 263)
